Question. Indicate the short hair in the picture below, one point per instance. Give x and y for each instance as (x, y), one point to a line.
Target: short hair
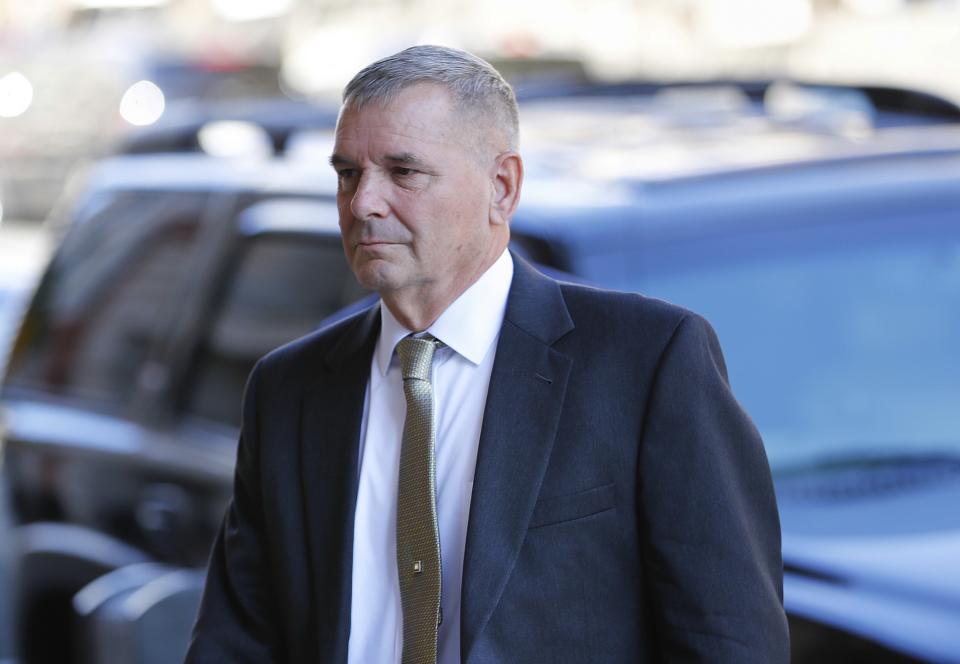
(476, 87)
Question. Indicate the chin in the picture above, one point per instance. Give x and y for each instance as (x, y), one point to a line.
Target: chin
(376, 275)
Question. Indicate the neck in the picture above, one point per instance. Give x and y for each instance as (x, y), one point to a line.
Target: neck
(417, 307)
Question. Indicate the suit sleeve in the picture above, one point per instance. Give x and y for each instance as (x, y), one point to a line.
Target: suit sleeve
(710, 524)
(235, 623)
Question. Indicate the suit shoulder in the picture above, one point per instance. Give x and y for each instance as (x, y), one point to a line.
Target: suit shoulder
(641, 326)
(304, 353)
(599, 306)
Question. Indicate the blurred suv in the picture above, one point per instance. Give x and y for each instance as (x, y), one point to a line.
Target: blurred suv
(123, 384)
(816, 227)
(121, 399)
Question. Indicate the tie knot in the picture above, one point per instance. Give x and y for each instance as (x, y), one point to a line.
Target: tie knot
(416, 356)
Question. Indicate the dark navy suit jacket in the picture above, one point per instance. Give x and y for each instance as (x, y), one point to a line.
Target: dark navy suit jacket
(622, 507)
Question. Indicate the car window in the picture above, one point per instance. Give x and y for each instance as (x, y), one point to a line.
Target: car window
(840, 339)
(283, 286)
(105, 299)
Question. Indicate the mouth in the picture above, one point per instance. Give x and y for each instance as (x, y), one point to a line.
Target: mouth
(374, 248)
(374, 244)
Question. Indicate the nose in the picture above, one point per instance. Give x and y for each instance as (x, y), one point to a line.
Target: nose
(368, 199)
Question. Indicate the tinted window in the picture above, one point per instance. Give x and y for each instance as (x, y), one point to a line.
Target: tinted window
(841, 340)
(106, 298)
(281, 289)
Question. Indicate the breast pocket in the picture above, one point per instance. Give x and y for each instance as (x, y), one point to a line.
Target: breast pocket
(561, 509)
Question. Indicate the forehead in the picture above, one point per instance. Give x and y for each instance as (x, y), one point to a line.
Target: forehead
(423, 114)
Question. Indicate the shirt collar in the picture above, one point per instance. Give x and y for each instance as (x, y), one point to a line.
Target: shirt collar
(469, 325)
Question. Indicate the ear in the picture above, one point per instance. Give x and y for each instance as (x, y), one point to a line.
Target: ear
(507, 181)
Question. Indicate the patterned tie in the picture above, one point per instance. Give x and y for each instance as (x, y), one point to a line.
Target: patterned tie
(418, 538)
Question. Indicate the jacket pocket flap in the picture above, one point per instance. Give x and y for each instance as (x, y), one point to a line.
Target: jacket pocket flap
(573, 506)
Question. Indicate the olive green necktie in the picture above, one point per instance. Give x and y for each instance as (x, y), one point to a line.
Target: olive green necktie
(418, 538)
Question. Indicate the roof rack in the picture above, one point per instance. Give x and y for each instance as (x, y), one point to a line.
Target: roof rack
(883, 98)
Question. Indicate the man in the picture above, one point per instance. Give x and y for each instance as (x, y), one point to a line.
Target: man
(487, 465)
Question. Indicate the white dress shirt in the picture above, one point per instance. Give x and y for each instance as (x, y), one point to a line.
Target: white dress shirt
(469, 328)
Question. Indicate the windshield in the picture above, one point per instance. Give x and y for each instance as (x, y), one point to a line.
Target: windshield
(839, 340)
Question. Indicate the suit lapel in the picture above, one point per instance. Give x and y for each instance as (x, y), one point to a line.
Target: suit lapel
(520, 421)
(331, 419)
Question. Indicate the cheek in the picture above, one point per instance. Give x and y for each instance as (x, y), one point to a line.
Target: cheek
(348, 248)
(343, 209)
(345, 218)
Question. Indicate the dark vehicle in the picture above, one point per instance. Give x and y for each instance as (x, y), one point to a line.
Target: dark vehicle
(259, 126)
(11, 297)
(274, 124)
(816, 228)
(123, 387)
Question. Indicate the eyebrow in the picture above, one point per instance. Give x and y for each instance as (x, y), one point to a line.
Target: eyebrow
(338, 160)
(404, 158)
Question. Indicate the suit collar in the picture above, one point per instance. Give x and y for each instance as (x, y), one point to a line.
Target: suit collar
(536, 305)
(358, 337)
(331, 416)
(520, 422)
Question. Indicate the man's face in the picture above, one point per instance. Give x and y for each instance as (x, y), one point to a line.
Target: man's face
(413, 198)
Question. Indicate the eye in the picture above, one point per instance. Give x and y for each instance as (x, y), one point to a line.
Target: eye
(346, 179)
(402, 171)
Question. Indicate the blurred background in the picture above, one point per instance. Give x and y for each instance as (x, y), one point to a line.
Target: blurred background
(788, 168)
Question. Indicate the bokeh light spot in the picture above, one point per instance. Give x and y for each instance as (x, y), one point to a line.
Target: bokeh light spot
(16, 95)
(142, 103)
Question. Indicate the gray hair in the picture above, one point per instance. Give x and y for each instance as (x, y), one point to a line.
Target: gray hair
(476, 87)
